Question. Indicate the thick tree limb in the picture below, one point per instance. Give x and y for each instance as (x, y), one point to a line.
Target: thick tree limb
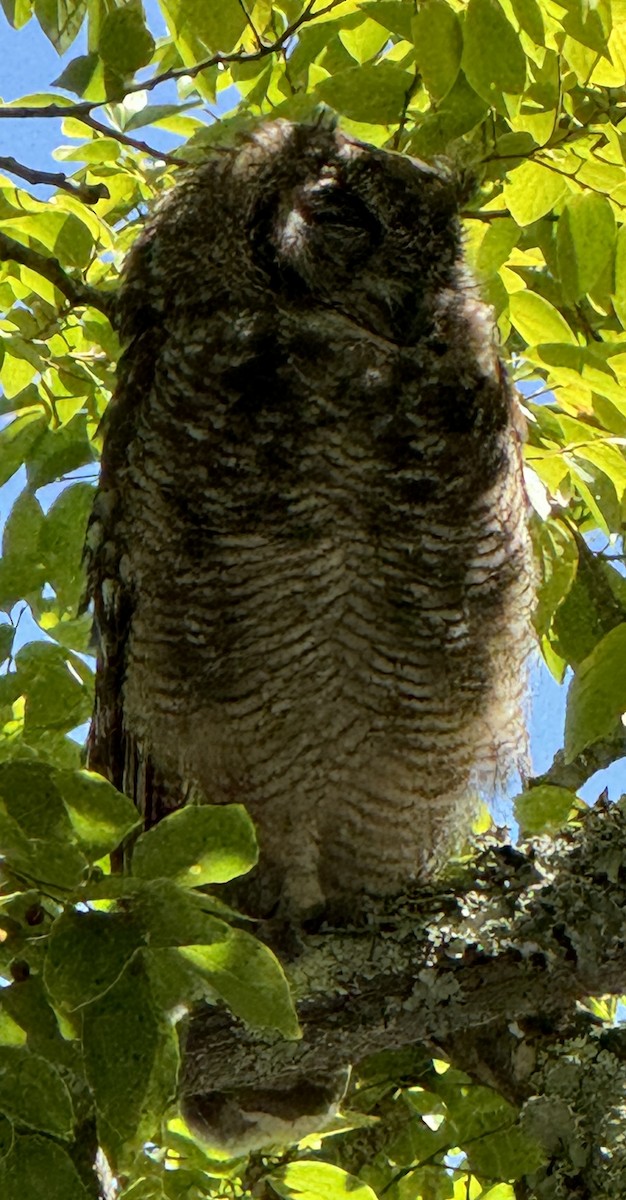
(74, 290)
(594, 758)
(493, 975)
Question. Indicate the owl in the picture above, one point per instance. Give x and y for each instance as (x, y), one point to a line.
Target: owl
(308, 554)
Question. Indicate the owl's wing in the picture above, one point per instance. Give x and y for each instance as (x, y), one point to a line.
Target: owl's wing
(112, 749)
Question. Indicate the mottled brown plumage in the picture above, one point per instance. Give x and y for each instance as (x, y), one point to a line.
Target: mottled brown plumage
(308, 556)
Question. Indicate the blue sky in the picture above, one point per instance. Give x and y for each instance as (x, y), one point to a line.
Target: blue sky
(29, 64)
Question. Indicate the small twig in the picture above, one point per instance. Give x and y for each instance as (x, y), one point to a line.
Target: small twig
(135, 143)
(252, 26)
(85, 107)
(408, 95)
(89, 193)
(74, 290)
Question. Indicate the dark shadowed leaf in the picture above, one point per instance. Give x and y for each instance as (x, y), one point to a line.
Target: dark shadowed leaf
(373, 94)
(38, 1167)
(132, 1087)
(438, 46)
(87, 953)
(493, 58)
(33, 1093)
(585, 241)
(125, 44)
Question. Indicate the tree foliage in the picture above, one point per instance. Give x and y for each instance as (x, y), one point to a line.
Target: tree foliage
(528, 98)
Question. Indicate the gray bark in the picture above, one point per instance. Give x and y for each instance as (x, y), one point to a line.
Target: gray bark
(491, 971)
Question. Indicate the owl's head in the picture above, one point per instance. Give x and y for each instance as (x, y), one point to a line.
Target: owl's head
(305, 217)
(336, 222)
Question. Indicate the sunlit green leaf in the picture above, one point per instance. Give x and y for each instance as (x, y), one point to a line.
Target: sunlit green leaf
(537, 320)
(532, 190)
(249, 979)
(198, 844)
(597, 694)
(543, 809)
(318, 1181)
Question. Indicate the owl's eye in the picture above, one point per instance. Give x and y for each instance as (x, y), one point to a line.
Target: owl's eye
(340, 211)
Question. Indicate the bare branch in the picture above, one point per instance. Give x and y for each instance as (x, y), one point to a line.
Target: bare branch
(87, 192)
(75, 291)
(135, 143)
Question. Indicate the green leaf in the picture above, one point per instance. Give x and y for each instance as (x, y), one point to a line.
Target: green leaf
(438, 46)
(74, 243)
(373, 94)
(125, 44)
(17, 439)
(619, 299)
(531, 191)
(557, 556)
(87, 953)
(363, 40)
(33, 1093)
(585, 240)
(62, 542)
(493, 59)
(7, 636)
(319, 1181)
(392, 14)
(60, 451)
(597, 694)
(218, 23)
(133, 1086)
(537, 320)
(249, 978)
(61, 20)
(37, 1167)
(101, 816)
(80, 74)
(543, 809)
(35, 833)
(495, 247)
(459, 112)
(530, 17)
(197, 845)
(53, 680)
(506, 1154)
(17, 12)
(23, 527)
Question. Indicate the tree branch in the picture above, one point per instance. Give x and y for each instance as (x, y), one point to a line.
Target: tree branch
(493, 974)
(135, 143)
(84, 107)
(75, 291)
(87, 192)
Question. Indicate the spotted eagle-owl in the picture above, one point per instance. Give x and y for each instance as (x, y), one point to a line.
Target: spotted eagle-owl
(309, 556)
